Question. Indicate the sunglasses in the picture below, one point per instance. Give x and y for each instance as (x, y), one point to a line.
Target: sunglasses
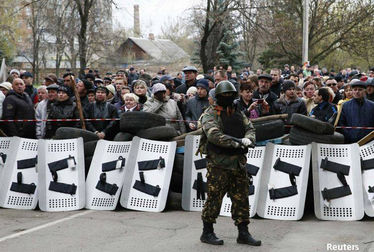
(331, 84)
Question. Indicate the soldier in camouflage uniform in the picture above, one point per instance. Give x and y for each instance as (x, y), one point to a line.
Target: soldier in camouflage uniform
(221, 123)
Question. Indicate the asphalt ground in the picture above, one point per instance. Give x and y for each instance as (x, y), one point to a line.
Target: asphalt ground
(124, 230)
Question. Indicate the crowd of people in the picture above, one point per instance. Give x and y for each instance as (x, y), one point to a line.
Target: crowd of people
(342, 98)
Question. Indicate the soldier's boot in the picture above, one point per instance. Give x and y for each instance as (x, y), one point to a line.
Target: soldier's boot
(245, 237)
(208, 235)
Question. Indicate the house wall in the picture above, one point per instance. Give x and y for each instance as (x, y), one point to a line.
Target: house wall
(131, 52)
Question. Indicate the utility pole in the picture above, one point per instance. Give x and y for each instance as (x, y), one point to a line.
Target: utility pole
(305, 31)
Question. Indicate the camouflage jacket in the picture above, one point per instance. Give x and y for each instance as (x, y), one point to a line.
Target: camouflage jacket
(212, 126)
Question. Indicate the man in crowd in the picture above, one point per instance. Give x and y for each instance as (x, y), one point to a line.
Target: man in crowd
(132, 76)
(289, 103)
(357, 112)
(370, 89)
(286, 71)
(50, 79)
(219, 76)
(276, 84)
(102, 109)
(190, 73)
(333, 84)
(197, 104)
(324, 110)
(82, 87)
(30, 90)
(263, 93)
(18, 105)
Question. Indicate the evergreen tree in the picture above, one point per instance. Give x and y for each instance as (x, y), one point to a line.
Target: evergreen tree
(229, 52)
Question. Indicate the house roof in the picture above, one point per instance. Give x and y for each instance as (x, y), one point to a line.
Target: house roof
(162, 50)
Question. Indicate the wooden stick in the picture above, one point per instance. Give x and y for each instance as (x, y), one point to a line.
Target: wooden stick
(2, 134)
(269, 118)
(78, 101)
(259, 119)
(366, 138)
(196, 132)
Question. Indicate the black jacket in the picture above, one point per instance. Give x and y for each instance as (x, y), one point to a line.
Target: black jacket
(337, 98)
(276, 88)
(242, 106)
(269, 97)
(102, 110)
(61, 110)
(182, 89)
(17, 106)
(281, 106)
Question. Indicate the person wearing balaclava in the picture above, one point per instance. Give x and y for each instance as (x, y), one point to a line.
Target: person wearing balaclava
(358, 111)
(227, 134)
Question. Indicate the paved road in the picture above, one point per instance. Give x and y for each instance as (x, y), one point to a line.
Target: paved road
(124, 230)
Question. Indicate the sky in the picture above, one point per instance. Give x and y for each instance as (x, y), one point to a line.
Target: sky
(153, 13)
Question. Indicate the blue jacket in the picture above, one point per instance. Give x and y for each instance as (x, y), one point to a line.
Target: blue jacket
(356, 114)
(325, 112)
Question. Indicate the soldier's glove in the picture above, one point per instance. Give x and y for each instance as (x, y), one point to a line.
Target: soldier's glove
(236, 144)
(246, 142)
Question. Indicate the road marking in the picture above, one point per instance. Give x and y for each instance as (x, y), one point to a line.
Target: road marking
(8, 237)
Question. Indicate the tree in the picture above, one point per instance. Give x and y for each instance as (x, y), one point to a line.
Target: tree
(229, 53)
(217, 17)
(332, 23)
(83, 8)
(9, 30)
(37, 22)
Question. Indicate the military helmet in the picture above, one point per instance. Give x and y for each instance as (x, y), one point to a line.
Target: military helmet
(225, 87)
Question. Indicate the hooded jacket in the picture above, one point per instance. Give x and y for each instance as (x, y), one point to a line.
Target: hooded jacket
(169, 110)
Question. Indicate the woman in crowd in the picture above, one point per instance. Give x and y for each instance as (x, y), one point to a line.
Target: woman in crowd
(347, 95)
(308, 92)
(248, 105)
(131, 103)
(140, 89)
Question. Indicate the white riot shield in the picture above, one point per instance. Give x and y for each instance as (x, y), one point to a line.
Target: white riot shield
(147, 175)
(194, 176)
(61, 175)
(284, 182)
(5, 151)
(337, 182)
(19, 182)
(106, 175)
(367, 167)
(255, 161)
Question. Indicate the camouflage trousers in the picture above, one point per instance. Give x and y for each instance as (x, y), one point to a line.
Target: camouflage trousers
(233, 182)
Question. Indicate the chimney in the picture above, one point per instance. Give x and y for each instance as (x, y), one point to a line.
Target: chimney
(136, 21)
(151, 36)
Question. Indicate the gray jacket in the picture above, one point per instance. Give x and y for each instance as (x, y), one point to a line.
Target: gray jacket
(167, 109)
(195, 107)
(41, 114)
